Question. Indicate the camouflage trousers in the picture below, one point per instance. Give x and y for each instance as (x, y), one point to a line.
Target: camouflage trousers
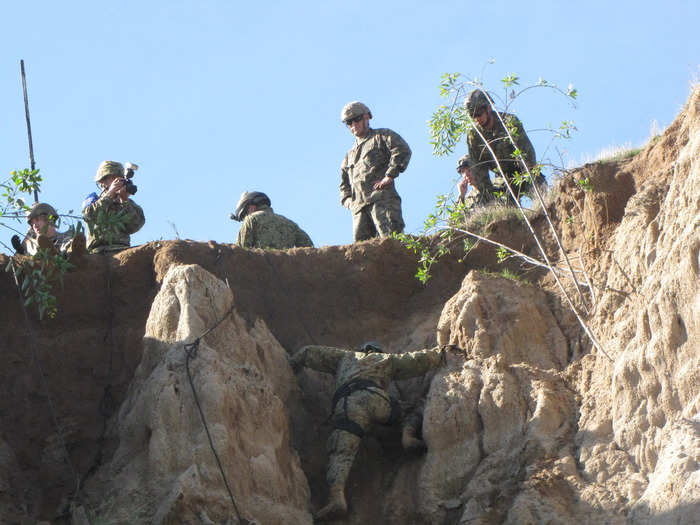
(364, 408)
(484, 191)
(379, 219)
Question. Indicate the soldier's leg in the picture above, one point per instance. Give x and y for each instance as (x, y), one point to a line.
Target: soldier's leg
(387, 217)
(363, 225)
(361, 409)
(412, 424)
(342, 449)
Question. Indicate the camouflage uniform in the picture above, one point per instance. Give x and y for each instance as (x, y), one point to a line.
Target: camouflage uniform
(483, 161)
(361, 398)
(265, 229)
(61, 241)
(375, 212)
(117, 238)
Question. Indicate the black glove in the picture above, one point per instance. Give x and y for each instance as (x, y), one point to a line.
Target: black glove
(17, 245)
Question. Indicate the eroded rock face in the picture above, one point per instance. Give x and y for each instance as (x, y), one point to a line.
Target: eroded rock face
(164, 470)
(530, 425)
(640, 416)
(500, 415)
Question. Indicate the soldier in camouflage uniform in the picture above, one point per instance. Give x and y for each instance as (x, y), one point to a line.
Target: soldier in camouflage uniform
(360, 400)
(487, 122)
(476, 197)
(367, 175)
(263, 228)
(113, 217)
(42, 234)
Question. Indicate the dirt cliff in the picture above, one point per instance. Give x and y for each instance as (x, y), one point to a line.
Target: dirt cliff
(530, 425)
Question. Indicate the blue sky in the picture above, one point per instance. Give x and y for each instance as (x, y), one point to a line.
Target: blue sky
(212, 98)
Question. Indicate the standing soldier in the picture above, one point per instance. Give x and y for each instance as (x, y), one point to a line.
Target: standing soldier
(113, 217)
(367, 175)
(263, 228)
(478, 104)
(360, 400)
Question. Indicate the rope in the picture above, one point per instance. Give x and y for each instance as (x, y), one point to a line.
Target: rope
(191, 353)
(45, 387)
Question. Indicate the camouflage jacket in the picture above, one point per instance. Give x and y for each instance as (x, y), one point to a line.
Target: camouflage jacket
(381, 368)
(60, 240)
(110, 224)
(266, 229)
(382, 152)
(498, 140)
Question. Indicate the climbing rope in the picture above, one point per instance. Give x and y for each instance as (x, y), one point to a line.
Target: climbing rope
(45, 387)
(190, 354)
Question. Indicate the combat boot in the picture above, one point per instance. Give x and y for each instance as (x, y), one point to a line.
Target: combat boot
(336, 507)
(410, 440)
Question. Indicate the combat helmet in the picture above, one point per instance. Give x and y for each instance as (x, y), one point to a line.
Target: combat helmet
(352, 110)
(477, 100)
(464, 162)
(257, 198)
(371, 346)
(41, 208)
(108, 168)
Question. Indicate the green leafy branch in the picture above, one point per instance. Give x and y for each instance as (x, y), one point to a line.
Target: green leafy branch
(36, 276)
(447, 126)
(107, 224)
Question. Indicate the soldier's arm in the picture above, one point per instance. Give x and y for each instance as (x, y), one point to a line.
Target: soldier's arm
(103, 203)
(412, 364)
(345, 190)
(246, 238)
(321, 358)
(522, 141)
(477, 149)
(134, 217)
(400, 154)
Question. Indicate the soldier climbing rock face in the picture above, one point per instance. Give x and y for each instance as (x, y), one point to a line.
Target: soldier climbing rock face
(263, 228)
(367, 175)
(360, 400)
(493, 132)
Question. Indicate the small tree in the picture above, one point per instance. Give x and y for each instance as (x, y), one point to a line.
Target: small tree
(34, 275)
(446, 226)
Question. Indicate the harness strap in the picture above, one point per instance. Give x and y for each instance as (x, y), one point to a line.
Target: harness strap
(350, 387)
(344, 422)
(349, 426)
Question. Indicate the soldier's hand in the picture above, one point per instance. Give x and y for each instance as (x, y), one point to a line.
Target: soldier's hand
(17, 245)
(115, 188)
(464, 186)
(294, 363)
(384, 183)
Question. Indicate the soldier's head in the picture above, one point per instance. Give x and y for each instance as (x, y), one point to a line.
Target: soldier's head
(107, 171)
(371, 347)
(478, 105)
(464, 164)
(355, 115)
(42, 218)
(249, 202)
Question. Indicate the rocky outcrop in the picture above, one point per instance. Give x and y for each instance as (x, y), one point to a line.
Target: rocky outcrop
(164, 470)
(526, 423)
